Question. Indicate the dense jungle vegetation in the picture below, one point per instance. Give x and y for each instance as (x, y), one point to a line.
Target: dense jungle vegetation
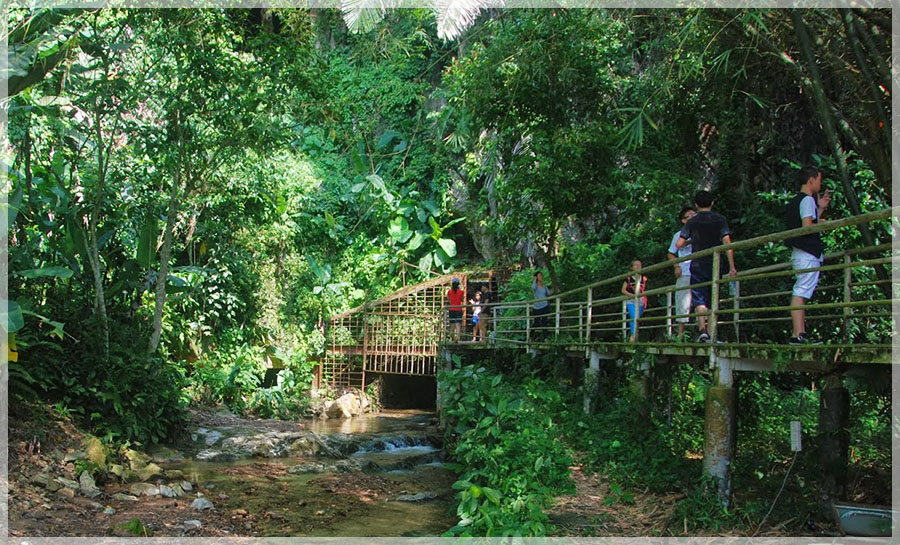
(193, 192)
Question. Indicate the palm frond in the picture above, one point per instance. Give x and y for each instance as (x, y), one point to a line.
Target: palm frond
(455, 16)
(361, 16)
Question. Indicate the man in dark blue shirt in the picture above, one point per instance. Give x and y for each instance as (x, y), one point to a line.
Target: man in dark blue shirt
(705, 230)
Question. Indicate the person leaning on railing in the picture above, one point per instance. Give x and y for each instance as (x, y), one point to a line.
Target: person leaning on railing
(541, 308)
(705, 230)
(634, 286)
(804, 210)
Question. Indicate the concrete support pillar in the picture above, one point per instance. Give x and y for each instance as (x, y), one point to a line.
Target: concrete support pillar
(591, 376)
(718, 444)
(444, 363)
(834, 442)
(640, 383)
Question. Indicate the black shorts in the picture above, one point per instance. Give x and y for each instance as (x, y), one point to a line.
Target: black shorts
(455, 316)
(701, 295)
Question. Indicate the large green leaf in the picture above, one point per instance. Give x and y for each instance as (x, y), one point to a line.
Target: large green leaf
(11, 316)
(45, 272)
(386, 138)
(448, 245)
(416, 241)
(323, 273)
(399, 229)
(75, 237)
(146, 249)
(432, 207)
(435, 228)
(425, 262)
(13, 206)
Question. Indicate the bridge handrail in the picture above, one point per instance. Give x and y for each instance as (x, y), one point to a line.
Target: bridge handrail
(741, 244)
(561, 304)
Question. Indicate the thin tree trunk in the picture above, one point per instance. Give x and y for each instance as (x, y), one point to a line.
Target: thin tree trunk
(92, 243)
(165, 251)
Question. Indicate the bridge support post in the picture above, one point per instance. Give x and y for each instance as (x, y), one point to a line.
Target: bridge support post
(834, 442)
(445, 363)
(719, 433)
(591, 377)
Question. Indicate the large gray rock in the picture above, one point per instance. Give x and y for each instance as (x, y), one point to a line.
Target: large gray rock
(149, 471)
(124, 497)
(311, 467)
(346, 406)
(44, 480)
(174, 474)
(137, 460)
(67, 483)
(201, 504)
(421, 496)
(74, 456)
(144, 489)
(87, 486)
(212, 438)
(167, 492)
(210, 455)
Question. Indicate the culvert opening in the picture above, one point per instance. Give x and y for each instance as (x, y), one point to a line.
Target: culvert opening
(406, 391)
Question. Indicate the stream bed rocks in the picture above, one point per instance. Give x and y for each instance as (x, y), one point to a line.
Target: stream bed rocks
(232, 476)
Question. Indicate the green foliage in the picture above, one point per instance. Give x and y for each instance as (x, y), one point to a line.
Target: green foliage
(136, 528)
(506, 446)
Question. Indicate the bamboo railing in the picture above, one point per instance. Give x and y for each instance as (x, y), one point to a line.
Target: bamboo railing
(852, 304)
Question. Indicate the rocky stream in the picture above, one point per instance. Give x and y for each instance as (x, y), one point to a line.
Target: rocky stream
(376, 474)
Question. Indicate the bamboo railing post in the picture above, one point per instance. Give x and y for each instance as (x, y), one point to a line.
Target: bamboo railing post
(527, 323)
(848, 278)
(558, 304)
(669, 330)
(637, 309)
(624, 320)
(580, 323)
(736, 305)
(714, 296)
(365, 336)
(590, 304)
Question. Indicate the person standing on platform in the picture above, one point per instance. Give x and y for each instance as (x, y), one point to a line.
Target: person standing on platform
(456, 296)
(541, 308)
(682, 272)
(705, 230)
(807, 251)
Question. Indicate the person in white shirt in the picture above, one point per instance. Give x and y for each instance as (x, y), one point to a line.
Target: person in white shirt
(805, 209)
(682, 273)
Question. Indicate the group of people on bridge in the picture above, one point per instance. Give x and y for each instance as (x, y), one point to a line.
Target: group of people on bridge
(701, 229)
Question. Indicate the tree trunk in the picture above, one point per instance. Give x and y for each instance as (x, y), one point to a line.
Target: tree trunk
(164, 254)
(91, 240)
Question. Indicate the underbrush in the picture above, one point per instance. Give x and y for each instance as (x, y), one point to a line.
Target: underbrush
(507, 447)
(514, 429)
(233, 374)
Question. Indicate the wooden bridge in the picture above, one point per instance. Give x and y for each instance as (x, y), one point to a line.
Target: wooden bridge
(853, 310)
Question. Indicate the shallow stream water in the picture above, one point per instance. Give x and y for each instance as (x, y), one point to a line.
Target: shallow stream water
(381, 475)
